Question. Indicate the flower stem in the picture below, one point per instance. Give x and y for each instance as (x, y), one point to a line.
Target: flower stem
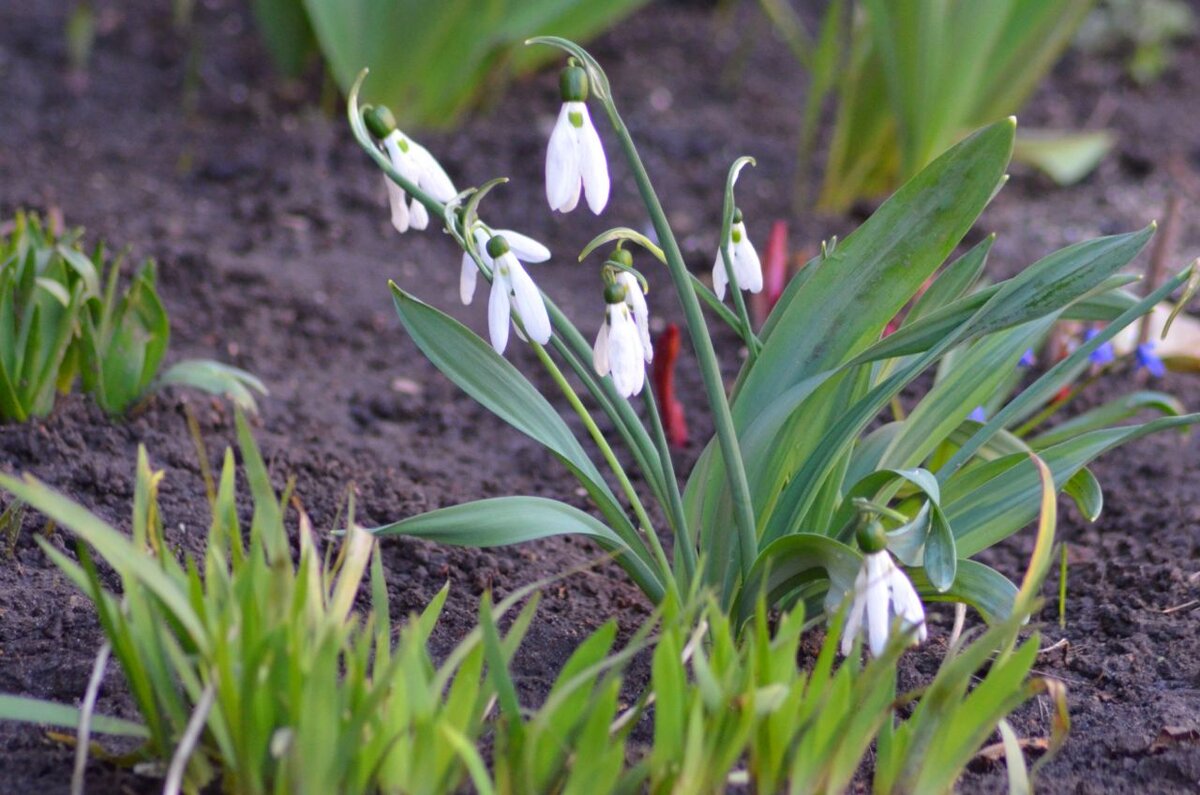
(611, 458)
(685, 545)
(710, 371)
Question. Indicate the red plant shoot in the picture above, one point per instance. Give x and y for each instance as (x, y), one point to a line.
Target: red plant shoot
(666, 352)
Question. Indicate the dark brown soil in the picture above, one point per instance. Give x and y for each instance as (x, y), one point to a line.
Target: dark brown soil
(275, 248)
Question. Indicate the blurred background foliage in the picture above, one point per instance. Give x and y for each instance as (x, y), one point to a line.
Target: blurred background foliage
(429, 61)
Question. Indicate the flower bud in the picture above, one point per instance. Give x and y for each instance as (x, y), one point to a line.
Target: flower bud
(871, 537)
(379, 121)
(573, 84)
(621, 257)
(497, 247)
(614, 293)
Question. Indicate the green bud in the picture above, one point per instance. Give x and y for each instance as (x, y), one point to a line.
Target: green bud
(614, 293)
(871, 537)
(379, 121)
(497, 247)
(573, 84)
(621, 257)
(737, 215)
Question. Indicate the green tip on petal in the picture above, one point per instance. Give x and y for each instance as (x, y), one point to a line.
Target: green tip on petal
(871, 537)
(573, 84)
(379, 121)
(497, 246)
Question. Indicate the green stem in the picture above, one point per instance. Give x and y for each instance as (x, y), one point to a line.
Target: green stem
(706, 356)
(685, 545)
(607, 452)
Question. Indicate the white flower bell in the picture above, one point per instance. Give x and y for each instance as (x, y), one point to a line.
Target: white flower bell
(746, 265)
(882, 593)
(621, 347)
(524, 247)
(415, 164)
(575, 159)
(512, 289)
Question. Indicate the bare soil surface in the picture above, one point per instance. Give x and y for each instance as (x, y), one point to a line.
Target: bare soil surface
(271, 229)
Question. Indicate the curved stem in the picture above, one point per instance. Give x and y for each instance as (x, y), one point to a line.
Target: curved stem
(607, 452)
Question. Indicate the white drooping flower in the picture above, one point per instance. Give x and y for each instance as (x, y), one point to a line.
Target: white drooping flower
(618, 346)
(513, 290)
(575, 159)
(415, 164)
(746, 265)
(524, 247)
(882, 593)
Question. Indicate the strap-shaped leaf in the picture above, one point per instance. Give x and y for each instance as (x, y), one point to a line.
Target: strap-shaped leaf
(52, 713)
(877, 269)
(793, 561)
(513, 520)
(991, 502)
(498, 386)
(980, 586)
(1105, 415)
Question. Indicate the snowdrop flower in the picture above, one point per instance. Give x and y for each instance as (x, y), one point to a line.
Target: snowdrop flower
(415, 164)
(746, 266)
(525, 248)
(512, 289)
(619, 348)
(1147, 358)
(882, 593)
(575, 159)
(1102, 355)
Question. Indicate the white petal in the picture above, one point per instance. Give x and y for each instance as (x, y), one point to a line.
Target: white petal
(720, 279)
(498, 320)
(625, 352)
(563, 181)
(402, 160)
(433, 179)
(528, 300)
(907, 604)
(635, 299)
(600, 350)
(466, 282)
(878, 616)
(593, 165)
(398, 205)
(746, 263)
(526, 248)
(858, 605)
(418, 215)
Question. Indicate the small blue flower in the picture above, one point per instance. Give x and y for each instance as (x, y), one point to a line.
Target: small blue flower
(1102, 355)
(979, 414)
(1028, 359)
(1146, 357)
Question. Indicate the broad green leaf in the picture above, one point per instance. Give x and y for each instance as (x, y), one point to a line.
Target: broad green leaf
(1107, 414)
(991, 502)
(890, 255)
(793, 561)
(977, 585)
(513, 520)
